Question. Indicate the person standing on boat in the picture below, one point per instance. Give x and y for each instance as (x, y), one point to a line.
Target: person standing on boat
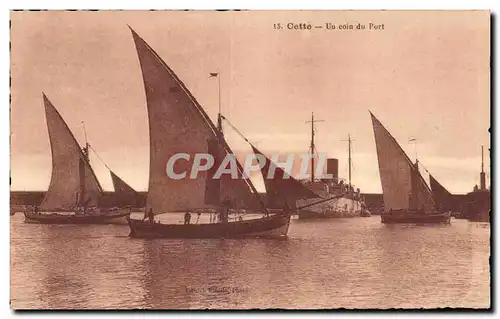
(224, 213)
(410, 200)
(286, 209)
(151, 216)
(187, 218)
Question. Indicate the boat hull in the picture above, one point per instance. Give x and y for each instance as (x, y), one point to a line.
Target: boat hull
(275, 226)
(336, 208)
(118, 217)
(311, 214)
(365, 213)
(413, 218)
(481, 217)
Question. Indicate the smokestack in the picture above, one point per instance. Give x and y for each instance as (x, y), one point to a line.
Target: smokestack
(482, 176)
(332, 167)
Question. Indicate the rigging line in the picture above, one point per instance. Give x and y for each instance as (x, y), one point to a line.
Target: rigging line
(241, 171)
(85, 133)
(420, 163)
(102, 161)
(235, 129)
(242, 136)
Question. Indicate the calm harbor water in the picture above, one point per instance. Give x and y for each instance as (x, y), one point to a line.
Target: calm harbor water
(336, 263)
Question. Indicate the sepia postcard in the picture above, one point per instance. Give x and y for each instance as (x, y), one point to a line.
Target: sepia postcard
(180, 160)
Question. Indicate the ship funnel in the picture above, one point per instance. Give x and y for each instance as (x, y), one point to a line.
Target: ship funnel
(482, 175)
(332, 167)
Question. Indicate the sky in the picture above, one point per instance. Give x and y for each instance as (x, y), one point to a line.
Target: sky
(425, 75)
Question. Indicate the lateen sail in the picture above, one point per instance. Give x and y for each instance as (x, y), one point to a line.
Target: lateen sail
(402, 185)
(280, 190)
(120, 186)
(70, 169)
(125, 194)
(443, 197)
(178, 124)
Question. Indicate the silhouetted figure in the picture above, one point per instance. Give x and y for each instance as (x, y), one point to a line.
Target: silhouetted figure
(145, 215)
(151, 216)
(286, 209)
(224, 212)
(187, 218)
(411, 204)
(36, 210)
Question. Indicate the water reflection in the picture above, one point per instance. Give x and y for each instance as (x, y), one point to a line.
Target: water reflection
(350, 263)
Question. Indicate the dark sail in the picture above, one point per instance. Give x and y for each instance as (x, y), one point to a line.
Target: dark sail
(281, 191)
(443, 197)
(124, 194)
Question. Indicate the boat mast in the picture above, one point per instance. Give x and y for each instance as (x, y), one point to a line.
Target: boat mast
(219, 115)
(86, 148)
(414, 141)
(312, 147)
(81, 175)
(86, 158)
(220, 132)
(349, 141)
(414, 183)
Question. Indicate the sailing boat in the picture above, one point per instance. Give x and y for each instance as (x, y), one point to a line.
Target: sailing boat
(407, 198)
(74, 187)
(178, 124)
(343, 200)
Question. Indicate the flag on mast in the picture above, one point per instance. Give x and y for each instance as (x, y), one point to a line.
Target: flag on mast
(213, 75)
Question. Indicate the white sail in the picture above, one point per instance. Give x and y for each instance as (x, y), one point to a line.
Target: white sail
(402, 185)
(65, 184)
(177, 124)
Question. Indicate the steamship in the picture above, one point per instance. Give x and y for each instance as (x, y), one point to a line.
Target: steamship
(478, 208)
(345, 200)
(337, 198)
